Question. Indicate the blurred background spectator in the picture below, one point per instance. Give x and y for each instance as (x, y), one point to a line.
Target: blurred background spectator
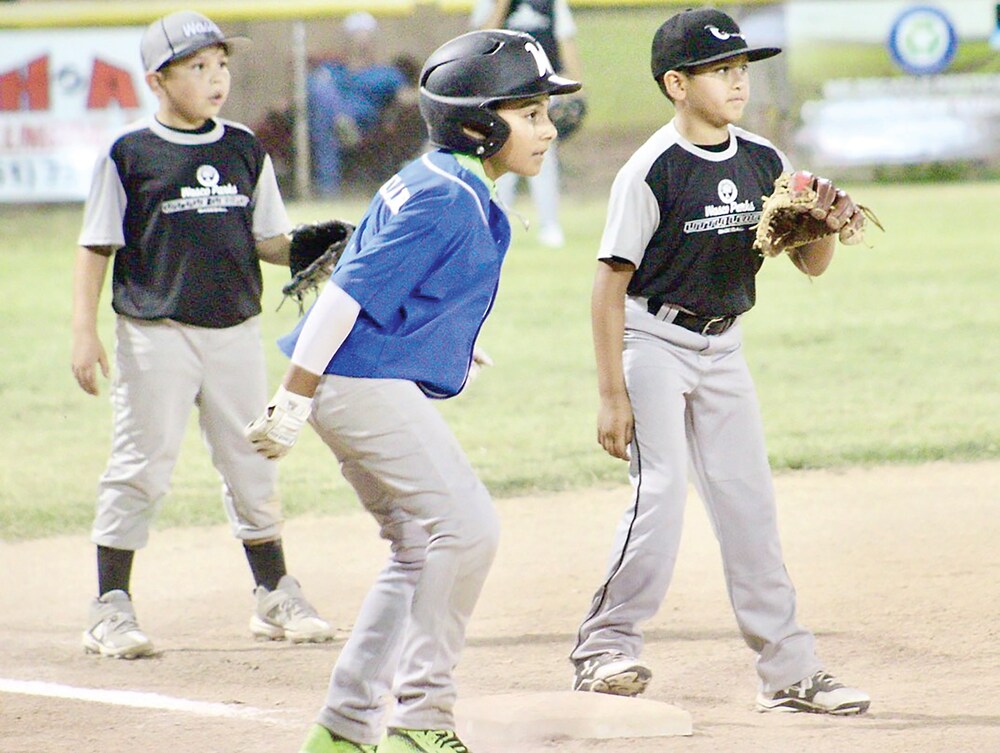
(364, 120)
(346, 95)
(396, 137)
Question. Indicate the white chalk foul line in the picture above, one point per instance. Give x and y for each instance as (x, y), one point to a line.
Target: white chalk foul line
(137, 699)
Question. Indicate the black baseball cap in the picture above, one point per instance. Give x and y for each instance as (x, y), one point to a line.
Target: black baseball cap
(698, 36)
(178, 35)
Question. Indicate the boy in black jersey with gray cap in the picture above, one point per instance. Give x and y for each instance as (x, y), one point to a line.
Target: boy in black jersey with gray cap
(188, 206)
(676, 273)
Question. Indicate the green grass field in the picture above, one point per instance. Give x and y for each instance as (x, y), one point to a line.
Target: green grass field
(891, 357)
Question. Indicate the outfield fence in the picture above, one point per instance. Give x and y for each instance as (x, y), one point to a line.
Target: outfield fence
(38, 14)
(912, 92)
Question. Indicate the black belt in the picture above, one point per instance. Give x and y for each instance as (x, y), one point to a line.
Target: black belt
(705, 325)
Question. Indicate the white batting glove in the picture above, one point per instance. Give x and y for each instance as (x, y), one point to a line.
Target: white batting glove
(277, 429)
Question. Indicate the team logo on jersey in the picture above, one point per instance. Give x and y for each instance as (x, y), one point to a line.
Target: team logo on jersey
(731, 216)
(208, 195)
(207, 175)
(728, 191)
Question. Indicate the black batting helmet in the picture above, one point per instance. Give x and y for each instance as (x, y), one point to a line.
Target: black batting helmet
(464, 79)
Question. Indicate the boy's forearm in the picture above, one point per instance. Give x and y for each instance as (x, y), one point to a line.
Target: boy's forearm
(274, 250)
(608, 326)
(608, 339)
(89, 270)
(498, 18)
(300, 381)
(571, 66)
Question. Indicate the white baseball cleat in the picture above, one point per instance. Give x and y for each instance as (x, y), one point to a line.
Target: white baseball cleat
(820, 693)
(113, 630)
(284, 614)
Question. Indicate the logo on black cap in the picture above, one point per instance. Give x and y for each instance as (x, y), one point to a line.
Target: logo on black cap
(724, 35)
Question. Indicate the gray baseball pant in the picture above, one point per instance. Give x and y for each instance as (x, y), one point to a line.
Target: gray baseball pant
(694, 401)
(162, 370)
(410, 473)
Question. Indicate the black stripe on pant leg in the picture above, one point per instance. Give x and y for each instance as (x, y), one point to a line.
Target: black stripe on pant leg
(601, 594)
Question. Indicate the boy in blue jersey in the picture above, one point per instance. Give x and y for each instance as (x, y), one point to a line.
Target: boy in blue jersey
(396, 325)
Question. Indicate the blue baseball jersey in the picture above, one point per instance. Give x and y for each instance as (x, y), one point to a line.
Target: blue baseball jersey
(424, 266)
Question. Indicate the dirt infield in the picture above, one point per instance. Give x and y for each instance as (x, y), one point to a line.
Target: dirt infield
(897, 571)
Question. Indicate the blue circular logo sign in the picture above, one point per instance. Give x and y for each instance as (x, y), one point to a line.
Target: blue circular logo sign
(922, 41)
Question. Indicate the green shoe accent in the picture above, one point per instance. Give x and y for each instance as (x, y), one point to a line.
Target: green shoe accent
(398, 740)
(322, 740)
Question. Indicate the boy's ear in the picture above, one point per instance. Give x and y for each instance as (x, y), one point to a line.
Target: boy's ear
(154, 80)
(675, 85)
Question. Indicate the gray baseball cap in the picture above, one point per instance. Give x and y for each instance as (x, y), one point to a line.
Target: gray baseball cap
(178, 35)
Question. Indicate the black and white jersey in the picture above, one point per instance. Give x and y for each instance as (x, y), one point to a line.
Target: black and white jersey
(548, 21)
(537, 17)
(684, 216)
(184, 209)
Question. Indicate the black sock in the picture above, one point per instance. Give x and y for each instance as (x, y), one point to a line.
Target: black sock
(267, 561)
(114, 569)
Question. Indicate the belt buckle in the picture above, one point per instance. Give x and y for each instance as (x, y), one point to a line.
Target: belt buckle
(710, 323)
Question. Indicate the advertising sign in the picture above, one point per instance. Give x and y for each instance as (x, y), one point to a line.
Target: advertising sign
(922, 40)
(63, 93)
(917, 82)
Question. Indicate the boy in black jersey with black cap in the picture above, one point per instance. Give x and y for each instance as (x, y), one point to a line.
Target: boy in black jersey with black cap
(188, 205)
(676, 273)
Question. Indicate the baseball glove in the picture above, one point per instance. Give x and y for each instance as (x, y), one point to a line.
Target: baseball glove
(566, 114)
(312, 255)
(798, 210)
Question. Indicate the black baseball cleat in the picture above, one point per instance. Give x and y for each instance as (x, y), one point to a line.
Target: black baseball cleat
(819, 694)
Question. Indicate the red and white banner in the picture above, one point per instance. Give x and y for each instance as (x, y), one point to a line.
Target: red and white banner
(63, 93)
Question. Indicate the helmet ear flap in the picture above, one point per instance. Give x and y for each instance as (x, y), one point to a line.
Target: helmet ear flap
(449, 124)
(491, 126)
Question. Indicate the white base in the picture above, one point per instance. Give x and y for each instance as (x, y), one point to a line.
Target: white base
(534, 717)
